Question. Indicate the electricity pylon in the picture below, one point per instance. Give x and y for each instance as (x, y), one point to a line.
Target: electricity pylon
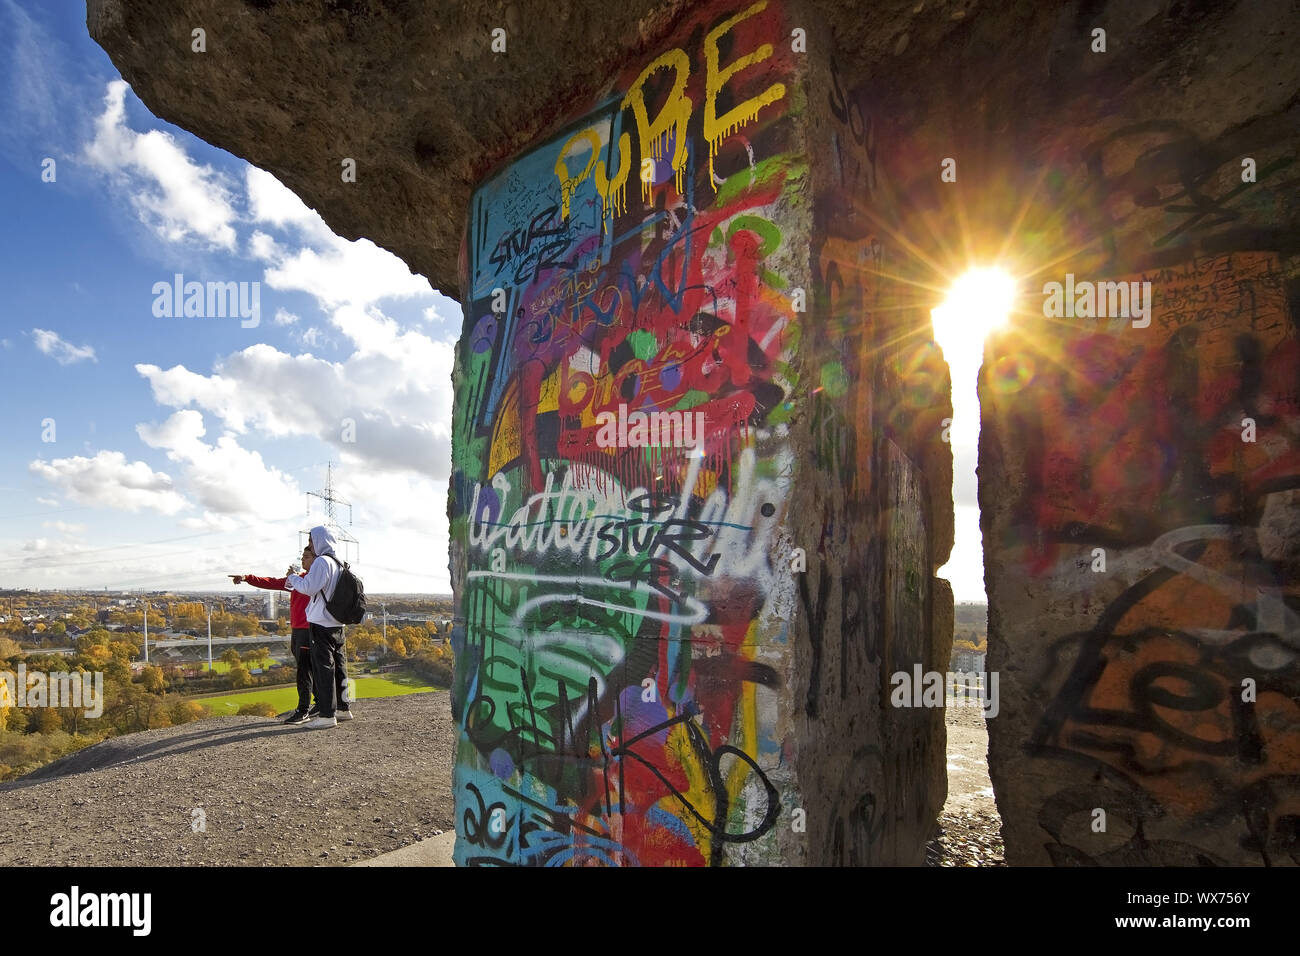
(333, 503)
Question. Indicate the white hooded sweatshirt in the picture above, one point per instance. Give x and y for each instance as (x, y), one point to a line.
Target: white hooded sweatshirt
(320, 580)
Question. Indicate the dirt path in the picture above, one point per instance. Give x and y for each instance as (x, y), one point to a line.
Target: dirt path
(970, 829)
(269, 794)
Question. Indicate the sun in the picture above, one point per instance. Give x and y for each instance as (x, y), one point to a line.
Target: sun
(978, 303)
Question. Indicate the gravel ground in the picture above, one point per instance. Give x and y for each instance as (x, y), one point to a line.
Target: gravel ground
(270, 795)
(283, 796)
(970, 829)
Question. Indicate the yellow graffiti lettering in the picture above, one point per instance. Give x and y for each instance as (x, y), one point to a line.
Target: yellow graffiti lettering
(612, 196)
(568, 184)
(717, 128)
(673, 117)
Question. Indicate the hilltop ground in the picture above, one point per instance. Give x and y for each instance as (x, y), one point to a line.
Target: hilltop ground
(268, 794)
(282, 796)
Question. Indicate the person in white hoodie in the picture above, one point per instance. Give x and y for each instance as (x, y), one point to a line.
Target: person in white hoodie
(328, 670)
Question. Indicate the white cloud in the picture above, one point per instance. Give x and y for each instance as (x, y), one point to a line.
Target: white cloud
(108, 480)
(209, 522)
(64, 527)
(332, 269)
(264, 247)
(395, 385)
(271, 202)
(6, 344)
(342, 272)
(395, 500)
(225, 478)
(397, 391)
(48, 502)
(65, 353)
(176, 197)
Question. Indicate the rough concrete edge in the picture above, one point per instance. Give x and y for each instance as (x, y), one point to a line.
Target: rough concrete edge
(435, 851)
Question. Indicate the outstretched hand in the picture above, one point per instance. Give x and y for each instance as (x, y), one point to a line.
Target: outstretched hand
(237, 578)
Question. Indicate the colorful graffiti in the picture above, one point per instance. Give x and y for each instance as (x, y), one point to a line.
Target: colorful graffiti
(1178, 455)
(621, 632)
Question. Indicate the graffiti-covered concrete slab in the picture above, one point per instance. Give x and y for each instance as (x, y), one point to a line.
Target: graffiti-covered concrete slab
(1142, 566)
(684, 556)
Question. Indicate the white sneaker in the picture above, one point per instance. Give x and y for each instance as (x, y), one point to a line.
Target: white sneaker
(344, 714)
(320, 723)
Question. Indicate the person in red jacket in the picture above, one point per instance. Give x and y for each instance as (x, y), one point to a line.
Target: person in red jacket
(299, 642)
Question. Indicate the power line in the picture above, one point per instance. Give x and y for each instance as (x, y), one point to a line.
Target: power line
(24, 566)
(37, 514)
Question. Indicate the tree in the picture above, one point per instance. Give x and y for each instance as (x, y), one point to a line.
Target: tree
(363, 643)
(97, 656)
(131, 708)
(415, 639)
(397, 647)
(117, 670)
(430, 665)
(258, 708)
(47, 720)
(95, 637)
(231, 657)
(239, 676)
(16, 722)
(184, 711)
(152, 678)
(125, 647)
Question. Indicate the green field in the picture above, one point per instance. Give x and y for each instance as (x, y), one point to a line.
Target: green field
(221, 667)
(286, 698)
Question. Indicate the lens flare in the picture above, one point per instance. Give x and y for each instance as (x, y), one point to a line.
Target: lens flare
(1011, 373)
(978, 304)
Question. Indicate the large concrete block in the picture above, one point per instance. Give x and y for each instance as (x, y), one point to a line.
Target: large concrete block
(1141, 496)
(690, 534)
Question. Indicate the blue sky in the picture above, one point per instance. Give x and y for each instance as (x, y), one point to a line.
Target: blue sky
(183, 446)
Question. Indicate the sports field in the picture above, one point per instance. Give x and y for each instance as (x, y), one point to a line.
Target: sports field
(221, 667)
(286, 698)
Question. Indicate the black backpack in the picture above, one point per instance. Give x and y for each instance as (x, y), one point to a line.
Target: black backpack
(348, 605)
